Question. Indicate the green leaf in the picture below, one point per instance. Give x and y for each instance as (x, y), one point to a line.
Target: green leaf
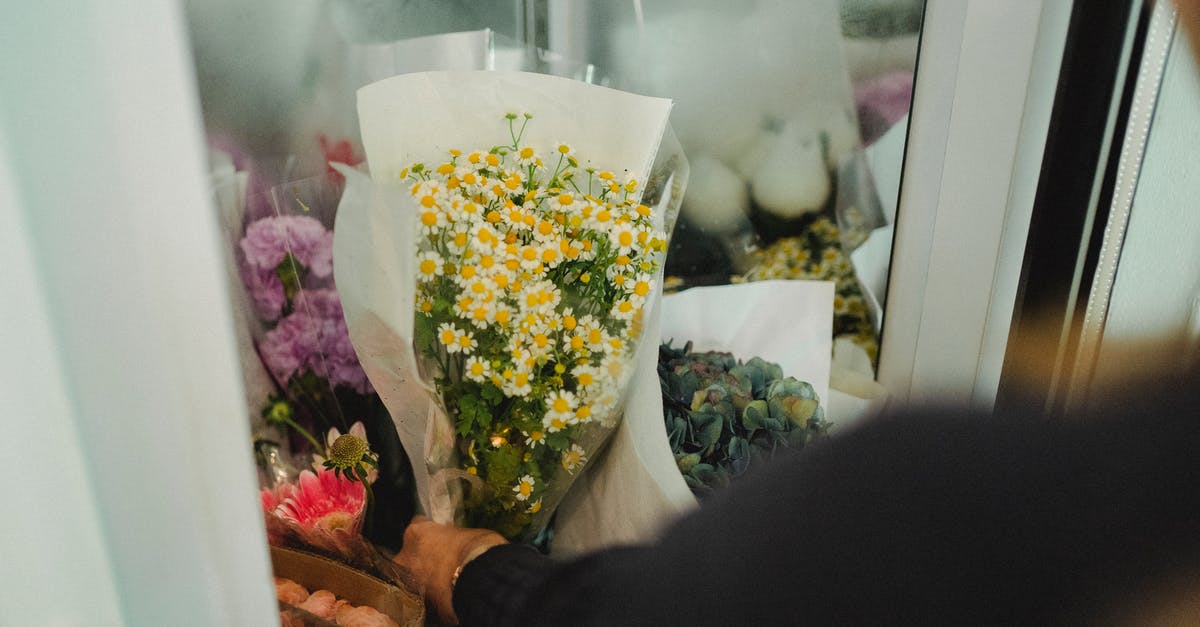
(559, 441)
(707, 424)
(290, 273)
(491, 394)
(686, 461)
(755, 415)
(704, 472)
(737, 448)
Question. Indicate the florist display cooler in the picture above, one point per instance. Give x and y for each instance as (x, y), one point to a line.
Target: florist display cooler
(139, 206)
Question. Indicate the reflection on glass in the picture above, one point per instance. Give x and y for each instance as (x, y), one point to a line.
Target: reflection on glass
(792, 113)
(784, 109)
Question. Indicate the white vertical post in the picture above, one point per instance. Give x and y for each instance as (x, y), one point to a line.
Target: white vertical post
(107, 154)
(977, 132)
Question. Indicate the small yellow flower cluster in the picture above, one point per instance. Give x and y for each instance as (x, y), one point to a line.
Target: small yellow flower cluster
(818, 256)
(533, 272)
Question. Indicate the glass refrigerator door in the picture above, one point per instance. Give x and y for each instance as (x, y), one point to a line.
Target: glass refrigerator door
(133, 487)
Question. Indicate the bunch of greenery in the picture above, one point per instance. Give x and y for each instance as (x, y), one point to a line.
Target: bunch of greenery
(723, 415)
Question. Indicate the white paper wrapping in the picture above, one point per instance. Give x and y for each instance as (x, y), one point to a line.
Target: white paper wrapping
(417, 118)
(635, 488)
(413, 117)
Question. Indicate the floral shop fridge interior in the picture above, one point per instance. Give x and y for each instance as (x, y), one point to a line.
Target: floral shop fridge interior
(288, 274)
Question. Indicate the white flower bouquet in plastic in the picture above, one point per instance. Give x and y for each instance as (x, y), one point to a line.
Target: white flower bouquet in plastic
(503, 261)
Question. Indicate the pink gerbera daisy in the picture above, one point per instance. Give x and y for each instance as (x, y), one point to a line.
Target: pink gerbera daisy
(323, 509)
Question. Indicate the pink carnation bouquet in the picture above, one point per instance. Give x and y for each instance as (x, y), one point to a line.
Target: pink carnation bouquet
(318, 492)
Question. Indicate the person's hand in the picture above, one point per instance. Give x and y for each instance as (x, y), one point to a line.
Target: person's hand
(434, 553)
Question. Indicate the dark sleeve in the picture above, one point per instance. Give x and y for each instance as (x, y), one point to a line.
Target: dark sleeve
(931, 518)
(494, 588)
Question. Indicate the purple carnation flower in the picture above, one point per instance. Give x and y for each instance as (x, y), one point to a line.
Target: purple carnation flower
(267, 242)
(266, 291)
(270, 239)
(314, 337)
(291, 346)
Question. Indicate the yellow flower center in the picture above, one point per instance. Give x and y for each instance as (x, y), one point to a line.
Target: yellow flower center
(347, 451)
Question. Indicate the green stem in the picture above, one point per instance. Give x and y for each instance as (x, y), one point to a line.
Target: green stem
(304, 432)
(370, 505)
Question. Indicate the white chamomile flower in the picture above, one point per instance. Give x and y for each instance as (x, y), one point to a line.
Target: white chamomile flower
(477, 369)
(565, 202)
(541, 343)
(542, 297)
(457, 238)
(624, 237)
(625, 309)
(554, 424)
(530, 257)
(462, 305)
(527, 156)
(601, 219)
(430, 265)
(592, 333)
(492, 161)
(524, 488)
(613, 368)
(466, 343)
(550, 255)
(466, 274)
(563, 149)
(428, 193)
(643, 284)
(522, 358)
(615, 346)
(545, 231)
(561, 405)
(513, 181)
(432, 218)
(535, 438)
(447, 335)
(586, 376)
(603, 408)
(519, 384)
(484, 237)
(470, 212)
(574, 458)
